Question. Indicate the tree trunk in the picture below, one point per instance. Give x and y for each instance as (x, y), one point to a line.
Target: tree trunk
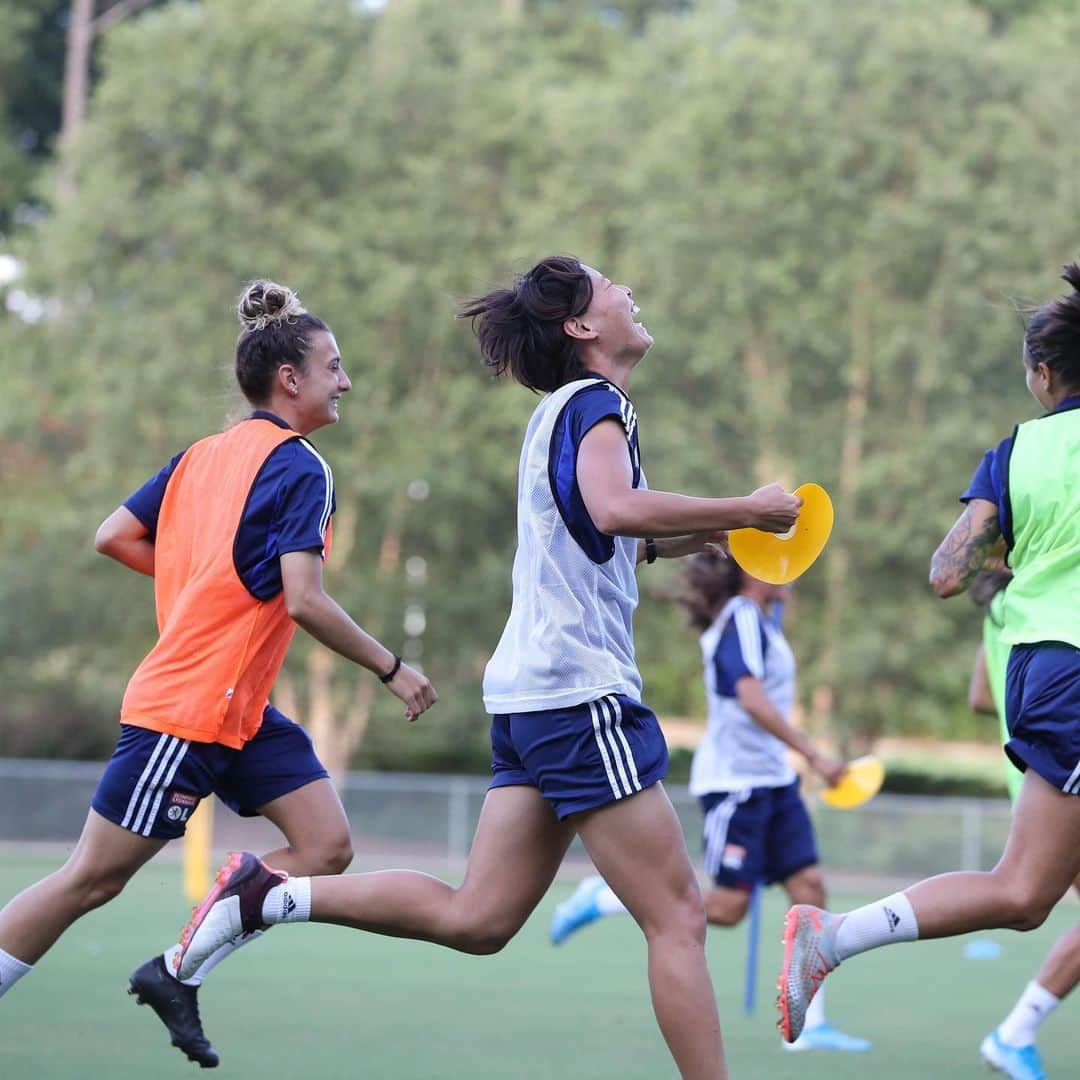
(80, 38)
(769, 392)
(825, 703)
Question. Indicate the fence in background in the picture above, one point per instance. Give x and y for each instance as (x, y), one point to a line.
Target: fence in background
(395, 815)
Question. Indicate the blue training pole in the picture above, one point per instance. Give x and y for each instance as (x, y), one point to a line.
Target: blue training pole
(753, 939)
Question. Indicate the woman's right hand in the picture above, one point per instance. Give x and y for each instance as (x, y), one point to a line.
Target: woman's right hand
(831, 770)
(774, 509)
(414, 689)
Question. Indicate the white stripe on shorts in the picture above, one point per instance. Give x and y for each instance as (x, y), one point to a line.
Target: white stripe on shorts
(616, 709)
(717, 822)
(164, 786)
(172, 747)
(608, 727)
(162, 742)
(615, 790)
(1072, 785)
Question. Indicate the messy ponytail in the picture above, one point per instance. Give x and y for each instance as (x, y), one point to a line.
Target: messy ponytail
(520, 329)
(1053, 333)
(710, 582)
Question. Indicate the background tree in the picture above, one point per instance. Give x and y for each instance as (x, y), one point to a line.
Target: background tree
(824, 212)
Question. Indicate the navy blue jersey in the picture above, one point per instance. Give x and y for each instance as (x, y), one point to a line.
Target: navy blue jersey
(288, 509)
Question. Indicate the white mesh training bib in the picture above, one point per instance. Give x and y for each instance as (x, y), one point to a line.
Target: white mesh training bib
(569, 638)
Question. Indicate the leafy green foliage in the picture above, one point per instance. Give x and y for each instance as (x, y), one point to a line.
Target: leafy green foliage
(824, 211)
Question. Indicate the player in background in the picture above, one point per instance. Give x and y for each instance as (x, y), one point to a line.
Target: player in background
(234, 531)
(1023, 497)
(756, 829)
(574, 749)
(1010, 1047)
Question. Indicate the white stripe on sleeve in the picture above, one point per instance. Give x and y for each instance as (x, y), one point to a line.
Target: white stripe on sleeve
(328, 502)
(748, 628)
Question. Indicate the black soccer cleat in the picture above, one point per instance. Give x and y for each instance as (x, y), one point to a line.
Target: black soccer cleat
(177, 1006)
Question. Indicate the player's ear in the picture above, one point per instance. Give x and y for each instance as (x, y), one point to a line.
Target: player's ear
(577, 328)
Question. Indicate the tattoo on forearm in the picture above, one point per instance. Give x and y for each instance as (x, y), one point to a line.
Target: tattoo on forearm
(964, 551)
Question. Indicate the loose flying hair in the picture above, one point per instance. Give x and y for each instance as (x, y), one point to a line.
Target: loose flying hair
(1053, 333)
(520, 329)
(276, 330)
(710, 582)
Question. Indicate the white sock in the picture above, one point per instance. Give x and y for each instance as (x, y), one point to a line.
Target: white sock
(288, 902)
(212, 960)
(1036, 1003)
(11, 971)
(607, 903)
(880, 923)
(815, 1011)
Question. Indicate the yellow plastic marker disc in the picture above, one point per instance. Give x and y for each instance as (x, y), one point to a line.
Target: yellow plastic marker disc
(861, 782)
(781, 558)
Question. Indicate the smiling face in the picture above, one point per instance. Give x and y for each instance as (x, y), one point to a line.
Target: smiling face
(318, 385)
(609, 322)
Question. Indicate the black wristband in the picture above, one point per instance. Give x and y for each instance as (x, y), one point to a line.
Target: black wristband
(393, 671)
(650, 550)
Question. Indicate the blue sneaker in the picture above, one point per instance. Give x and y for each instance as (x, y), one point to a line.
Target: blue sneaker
(577, 911)
(826, 1037)
(1018, 1062)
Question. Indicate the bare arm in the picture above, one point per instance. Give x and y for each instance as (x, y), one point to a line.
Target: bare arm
(123, 537)
(752, 697)
(974, 539)
(325, 620)
(617, 508)
(979, 697)
(675, 547)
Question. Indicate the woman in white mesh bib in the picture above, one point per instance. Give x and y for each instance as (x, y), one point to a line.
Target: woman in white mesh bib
(574, 749)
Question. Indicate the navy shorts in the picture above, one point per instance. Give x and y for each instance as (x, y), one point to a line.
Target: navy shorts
(583, 757)
(757, 835)
(1042, 712)
(154, 781)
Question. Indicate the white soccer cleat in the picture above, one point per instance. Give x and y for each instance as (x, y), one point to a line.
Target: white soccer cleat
(232, 907)
(809, 955)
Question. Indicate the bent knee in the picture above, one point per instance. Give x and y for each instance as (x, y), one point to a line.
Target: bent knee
(483, 940)
(726, 907)
(1029, 911)
(1025, 906)
(331, 856)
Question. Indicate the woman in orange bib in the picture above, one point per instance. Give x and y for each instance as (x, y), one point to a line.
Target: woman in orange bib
(234, 531)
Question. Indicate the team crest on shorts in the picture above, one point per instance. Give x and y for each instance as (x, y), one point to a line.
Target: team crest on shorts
(733, 856)
(181, 804)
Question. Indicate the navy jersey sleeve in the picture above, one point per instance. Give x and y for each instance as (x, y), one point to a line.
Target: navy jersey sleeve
(740, 650)
(991, 482)
(305, 502)
(145, 503)
(989, 479)
(586, 409)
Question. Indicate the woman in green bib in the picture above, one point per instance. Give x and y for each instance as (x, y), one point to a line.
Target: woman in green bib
(1010, 1047)
(1024, 498)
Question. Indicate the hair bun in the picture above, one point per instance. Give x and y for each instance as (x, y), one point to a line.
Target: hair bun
(265, 303)
(1071, 273)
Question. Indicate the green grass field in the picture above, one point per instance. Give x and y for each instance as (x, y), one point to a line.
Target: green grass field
(321, 1003)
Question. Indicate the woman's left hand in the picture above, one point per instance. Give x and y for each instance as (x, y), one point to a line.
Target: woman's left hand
(675, 547)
